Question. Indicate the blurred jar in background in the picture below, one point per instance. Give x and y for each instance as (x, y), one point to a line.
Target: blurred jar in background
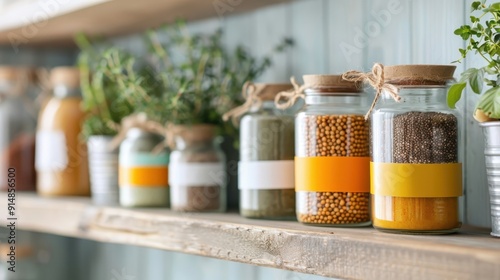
(18, 114)
(61, 157)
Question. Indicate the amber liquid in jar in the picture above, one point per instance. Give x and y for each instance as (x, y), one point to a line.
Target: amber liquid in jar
(60, 125)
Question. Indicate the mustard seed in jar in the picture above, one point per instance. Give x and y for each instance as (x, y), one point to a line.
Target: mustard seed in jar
(332, 155)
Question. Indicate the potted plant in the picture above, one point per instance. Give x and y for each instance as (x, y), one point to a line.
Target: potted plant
(482, 36)
(105, 108)
(192, 80)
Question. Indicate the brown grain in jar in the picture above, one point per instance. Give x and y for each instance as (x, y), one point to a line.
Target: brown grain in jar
(332, 127)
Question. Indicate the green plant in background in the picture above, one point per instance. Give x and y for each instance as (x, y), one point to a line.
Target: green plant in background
(201, 79)
(483, 37)
(103, 97)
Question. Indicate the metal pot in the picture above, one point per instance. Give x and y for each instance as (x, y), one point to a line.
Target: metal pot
(103, 166)
(492, 154)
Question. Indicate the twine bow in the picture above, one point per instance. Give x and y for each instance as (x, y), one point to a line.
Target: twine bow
(377, 80)
(250, 93)
(290, 96)
(139, 121)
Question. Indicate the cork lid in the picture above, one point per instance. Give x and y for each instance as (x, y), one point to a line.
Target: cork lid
(195, 133)
(68, 76)
(419, 74)
(331, 84)
(8, 73)
(267, 92)
(21, 251)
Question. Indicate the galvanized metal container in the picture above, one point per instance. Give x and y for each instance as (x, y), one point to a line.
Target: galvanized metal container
(103, 165)
(492, 155)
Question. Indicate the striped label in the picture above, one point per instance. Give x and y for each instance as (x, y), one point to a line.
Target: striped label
(143, 170)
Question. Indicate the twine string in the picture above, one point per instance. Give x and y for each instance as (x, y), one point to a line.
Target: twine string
(286, 99)
(250, 94)
(376, 79)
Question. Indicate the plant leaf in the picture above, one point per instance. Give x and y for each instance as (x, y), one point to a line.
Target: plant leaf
(476, 80)
(454, 94)
(490, 103)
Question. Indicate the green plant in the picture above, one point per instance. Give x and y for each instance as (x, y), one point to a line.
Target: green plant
(102, 92)
(483, 37)
(200, 78)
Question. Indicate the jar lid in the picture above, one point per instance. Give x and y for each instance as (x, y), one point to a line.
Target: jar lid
(68, 76)
(328, 84)
(418, 74)
(267, 92)
(12, 73)
(195, 132)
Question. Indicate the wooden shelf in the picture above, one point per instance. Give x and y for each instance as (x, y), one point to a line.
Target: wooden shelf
(31, 23)
(362, 253)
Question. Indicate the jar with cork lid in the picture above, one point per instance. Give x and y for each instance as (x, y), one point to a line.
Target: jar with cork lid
(17, 127)
(197, 169)
(61, 152)
(416, 178)
(266, 167)
(332, 154)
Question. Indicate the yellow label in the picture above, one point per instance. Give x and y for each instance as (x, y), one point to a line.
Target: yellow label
(332, 174)
(416, 180)
(148, 176)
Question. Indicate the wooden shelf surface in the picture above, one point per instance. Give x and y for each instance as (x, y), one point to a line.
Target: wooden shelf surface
(55, 23)
(352, 253)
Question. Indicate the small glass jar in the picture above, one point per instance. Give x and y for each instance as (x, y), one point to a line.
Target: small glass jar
(17, 128)
(416, 171)
(61, 152)
(266, 167)
(143, 174)
(332, 154)
(197, 170)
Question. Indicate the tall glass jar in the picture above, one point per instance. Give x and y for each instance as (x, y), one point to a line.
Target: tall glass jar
(197, 167)
(17, 128)
(266, 167)
(416, 171)
(61, 152)
(332, 154)
(143, 173)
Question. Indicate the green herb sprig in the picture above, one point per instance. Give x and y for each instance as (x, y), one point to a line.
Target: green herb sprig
(200, 77)
(103, 100)
(482, 37)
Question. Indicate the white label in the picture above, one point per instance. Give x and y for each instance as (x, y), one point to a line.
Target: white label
(51, 151)
(184, 175)
(266, 175)
(196, 174)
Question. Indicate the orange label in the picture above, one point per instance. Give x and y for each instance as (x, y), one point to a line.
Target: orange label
(144, 176)
(416, 180)
(332, 174)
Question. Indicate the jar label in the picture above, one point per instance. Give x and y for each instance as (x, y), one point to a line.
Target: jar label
(146, 176)
(416, 180)
(266, 175)
(332, 174)
(143, 170)
(51, 153)
(189, 174)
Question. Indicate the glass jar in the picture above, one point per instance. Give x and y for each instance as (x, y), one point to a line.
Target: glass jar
(266, 167)
(61, 152)
(197, 170)
(416, 174)
(143, 174)
(332, 172)
(17, 128)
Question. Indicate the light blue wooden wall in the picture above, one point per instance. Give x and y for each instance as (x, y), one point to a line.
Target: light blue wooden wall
(421, 31)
